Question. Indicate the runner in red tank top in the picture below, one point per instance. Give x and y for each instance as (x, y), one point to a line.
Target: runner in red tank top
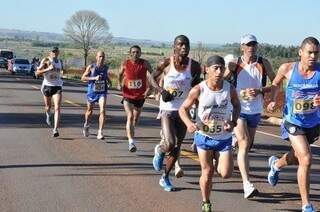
(135, 86)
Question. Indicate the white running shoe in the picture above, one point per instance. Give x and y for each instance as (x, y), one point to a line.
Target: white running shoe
(100, 135)
(178, 171)
(48, 119)
(249, 190)
(85, 130)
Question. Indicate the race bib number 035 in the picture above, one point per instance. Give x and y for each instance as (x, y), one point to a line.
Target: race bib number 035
(303, 106)
(213, 128)
(99, 86)
(135, 84)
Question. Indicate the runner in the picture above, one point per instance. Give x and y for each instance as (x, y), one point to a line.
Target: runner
(301, 115)
(214, 125)
(250, 78)
(51, 68)
(134, 91)
(96, 75)
(178, 171)
(180, 73)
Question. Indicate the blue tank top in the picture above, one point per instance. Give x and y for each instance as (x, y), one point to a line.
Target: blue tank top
(98, 86)
(299, 108)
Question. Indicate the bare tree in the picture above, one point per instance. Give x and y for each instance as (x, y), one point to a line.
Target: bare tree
(200, 52)
(87, 29)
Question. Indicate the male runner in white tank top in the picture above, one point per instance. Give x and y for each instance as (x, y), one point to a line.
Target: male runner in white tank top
(180, 74)
(51, 68)
(250, 72)
(215, 122)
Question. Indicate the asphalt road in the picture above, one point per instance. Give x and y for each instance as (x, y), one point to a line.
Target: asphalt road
(73, 173)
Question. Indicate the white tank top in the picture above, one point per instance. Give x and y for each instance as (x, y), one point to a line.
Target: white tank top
(178, 84)
(214, 108)
(53, 78)
(250, 77)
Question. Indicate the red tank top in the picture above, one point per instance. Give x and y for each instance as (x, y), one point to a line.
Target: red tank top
(135, 79)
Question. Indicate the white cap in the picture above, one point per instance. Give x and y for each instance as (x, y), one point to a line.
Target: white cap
(229, 58)
(248, 38)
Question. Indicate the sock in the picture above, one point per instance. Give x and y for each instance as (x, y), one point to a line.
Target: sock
(131, 141)
(275, 167)
(48, 114)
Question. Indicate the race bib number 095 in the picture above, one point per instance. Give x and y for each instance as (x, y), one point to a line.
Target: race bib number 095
(303, 106)
(135, 84)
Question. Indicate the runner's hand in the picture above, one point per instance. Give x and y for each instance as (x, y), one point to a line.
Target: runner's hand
(228, 126)
(316, 100)
(166, 96)
(253, 92)
(271, 107)
(192, 127)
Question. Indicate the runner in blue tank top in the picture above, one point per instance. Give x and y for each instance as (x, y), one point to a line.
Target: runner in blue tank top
(97, 77)
(301, 116)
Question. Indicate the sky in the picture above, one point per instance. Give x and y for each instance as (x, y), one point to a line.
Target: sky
(285, 22)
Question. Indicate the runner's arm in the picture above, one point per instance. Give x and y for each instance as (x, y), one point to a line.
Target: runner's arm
(271, 75)
(85, 77)
(41, 69)
(184, 109)
(120, 78)
(159, 70)
(276, 83)
(236, 105)
(148, 82)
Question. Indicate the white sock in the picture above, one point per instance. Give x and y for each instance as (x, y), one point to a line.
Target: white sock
(275, 167)
(131, 141)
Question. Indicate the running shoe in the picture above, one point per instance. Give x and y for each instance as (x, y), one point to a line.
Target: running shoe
(249, 190)
(100, 136)
(273, 175)
(165, 183)
(48, 119)
(85, 130)
(132, 147)
(178, 171)
(206, 207)
(55, 133)
(308, 208)
(157, 159)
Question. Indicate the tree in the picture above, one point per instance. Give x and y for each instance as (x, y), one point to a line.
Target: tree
(200, 52)
(87, 29)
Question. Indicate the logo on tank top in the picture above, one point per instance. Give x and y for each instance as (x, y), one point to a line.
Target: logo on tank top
(292, 129)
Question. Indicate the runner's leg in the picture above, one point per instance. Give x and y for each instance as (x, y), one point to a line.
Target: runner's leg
(302, 150)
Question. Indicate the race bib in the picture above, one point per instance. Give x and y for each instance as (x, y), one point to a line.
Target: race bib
(134, 84)
(243, 95)
(99, 86)
(176, 93)
(303, 106)
(213, 127)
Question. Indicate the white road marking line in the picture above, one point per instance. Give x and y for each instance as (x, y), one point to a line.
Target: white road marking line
(72, 103)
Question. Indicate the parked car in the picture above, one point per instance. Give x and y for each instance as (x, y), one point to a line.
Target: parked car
(3, 62)
(20, 66)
